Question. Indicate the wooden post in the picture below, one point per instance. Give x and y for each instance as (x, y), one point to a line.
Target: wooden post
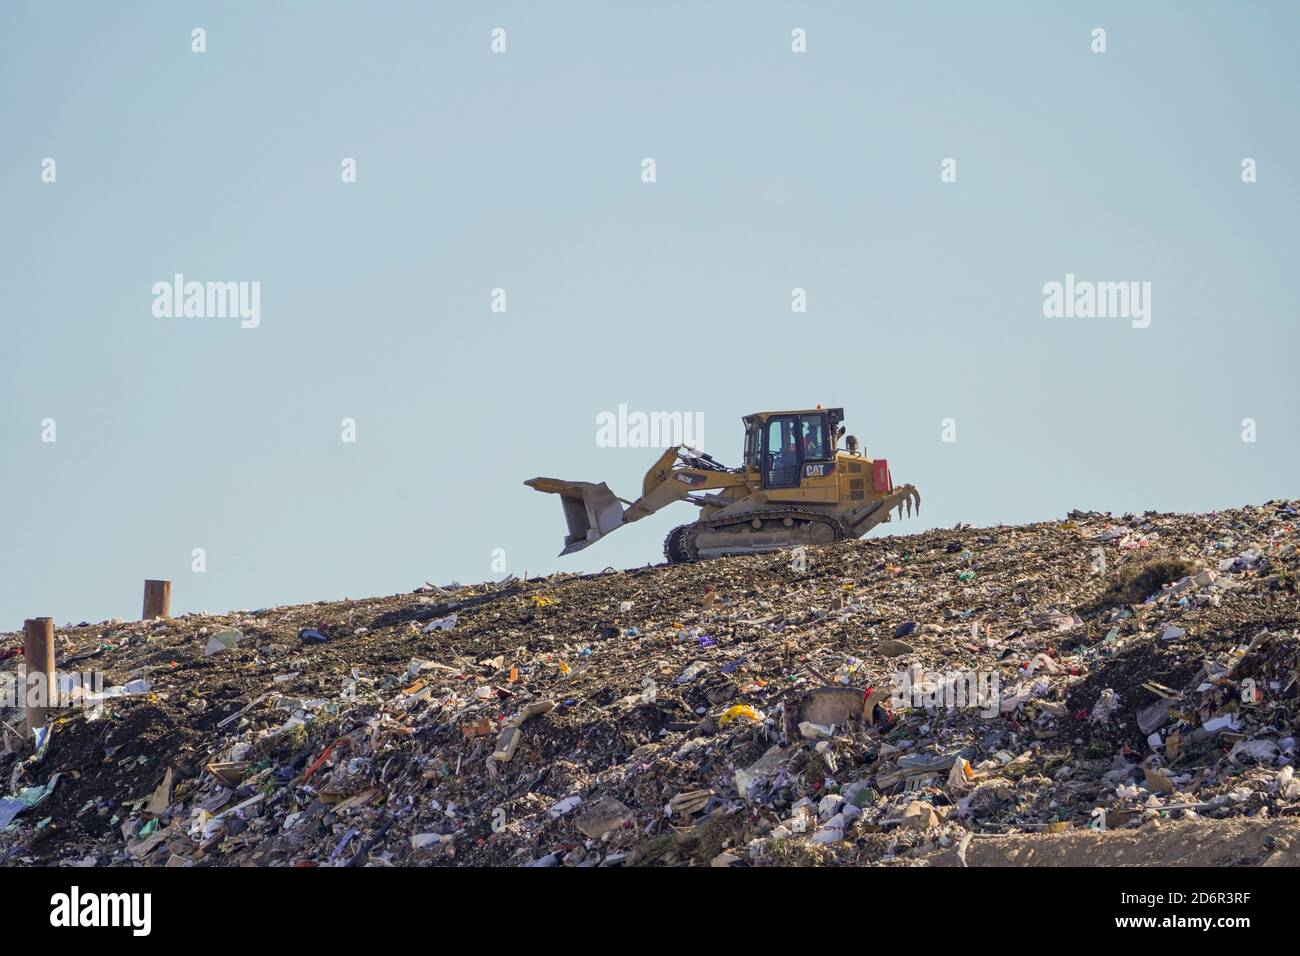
(38, 661)
(157, 600)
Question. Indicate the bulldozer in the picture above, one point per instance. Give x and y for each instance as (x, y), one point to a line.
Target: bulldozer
(795, 487)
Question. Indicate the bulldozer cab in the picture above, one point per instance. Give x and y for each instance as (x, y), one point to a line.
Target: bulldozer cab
(786, 447)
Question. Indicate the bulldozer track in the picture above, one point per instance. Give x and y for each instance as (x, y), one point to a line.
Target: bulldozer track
(680, 545)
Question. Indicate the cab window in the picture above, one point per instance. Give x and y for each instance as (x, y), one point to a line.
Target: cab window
(812, 436)
(781, 452)
(751, 448)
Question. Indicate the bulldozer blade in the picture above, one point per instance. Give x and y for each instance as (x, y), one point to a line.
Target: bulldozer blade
(591, 510)
(911, 498)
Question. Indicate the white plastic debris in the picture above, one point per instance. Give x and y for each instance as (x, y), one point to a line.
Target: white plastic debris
(223, 641)
(565, 806)
(440, 624)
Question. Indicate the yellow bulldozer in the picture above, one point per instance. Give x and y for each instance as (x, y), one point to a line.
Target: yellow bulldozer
(795, 487)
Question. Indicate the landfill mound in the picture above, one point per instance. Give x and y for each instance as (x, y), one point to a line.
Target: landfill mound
(951, 697)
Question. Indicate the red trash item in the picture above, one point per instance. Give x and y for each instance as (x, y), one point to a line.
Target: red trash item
(323, 757)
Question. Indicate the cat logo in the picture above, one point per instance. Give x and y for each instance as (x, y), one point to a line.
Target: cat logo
(815, 471)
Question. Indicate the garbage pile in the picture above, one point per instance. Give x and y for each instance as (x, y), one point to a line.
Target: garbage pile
(862, 703)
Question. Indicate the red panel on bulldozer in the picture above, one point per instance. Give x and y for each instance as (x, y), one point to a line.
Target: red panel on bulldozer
(880, 475)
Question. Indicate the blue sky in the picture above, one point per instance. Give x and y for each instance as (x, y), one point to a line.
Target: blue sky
(522, 171)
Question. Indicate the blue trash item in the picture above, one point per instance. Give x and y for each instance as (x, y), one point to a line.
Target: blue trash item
(313, 635)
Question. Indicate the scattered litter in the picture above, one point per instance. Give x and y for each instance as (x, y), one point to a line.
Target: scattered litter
(904, 697)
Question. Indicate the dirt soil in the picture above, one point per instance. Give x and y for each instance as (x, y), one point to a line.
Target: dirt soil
(1208, 843)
